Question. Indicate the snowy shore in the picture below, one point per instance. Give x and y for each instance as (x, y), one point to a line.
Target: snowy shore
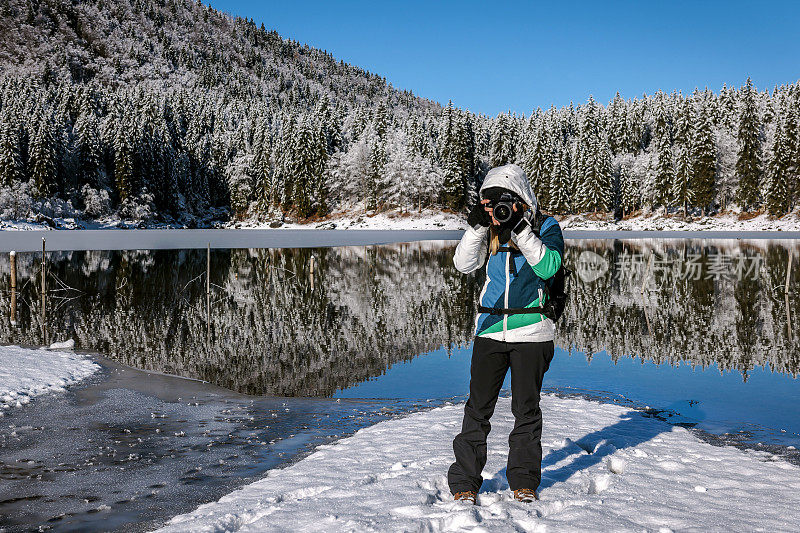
(605, 468)
(26, 373)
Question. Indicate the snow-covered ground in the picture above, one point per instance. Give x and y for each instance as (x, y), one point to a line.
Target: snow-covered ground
(721, 222)
(26, 372)
(445, 220)
(605, 468)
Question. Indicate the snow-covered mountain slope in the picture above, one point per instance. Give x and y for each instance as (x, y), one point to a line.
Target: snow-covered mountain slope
(605, 468)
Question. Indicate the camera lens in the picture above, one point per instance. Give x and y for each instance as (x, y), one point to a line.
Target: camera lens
(502, 211)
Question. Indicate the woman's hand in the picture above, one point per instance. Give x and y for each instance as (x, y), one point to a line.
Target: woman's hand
(479, 217)
(489, 210)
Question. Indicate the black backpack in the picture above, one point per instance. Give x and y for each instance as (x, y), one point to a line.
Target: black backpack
(557, 291)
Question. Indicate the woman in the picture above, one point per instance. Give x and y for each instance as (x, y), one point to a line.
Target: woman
(523, 251)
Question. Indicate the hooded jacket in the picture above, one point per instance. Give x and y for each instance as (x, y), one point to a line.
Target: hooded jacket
(513, 278)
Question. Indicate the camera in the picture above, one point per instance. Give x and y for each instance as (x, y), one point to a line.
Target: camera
(503, 208)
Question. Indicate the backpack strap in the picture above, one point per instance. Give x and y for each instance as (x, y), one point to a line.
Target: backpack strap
(510, 310)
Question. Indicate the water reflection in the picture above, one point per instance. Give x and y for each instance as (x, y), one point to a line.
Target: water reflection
(727, 303)
(309, 322)
(271, 330)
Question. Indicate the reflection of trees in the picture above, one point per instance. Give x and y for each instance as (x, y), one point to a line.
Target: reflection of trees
(735, 324)
(270, 333)
(371, 307)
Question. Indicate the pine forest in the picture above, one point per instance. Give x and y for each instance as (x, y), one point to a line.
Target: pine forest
(169, 111)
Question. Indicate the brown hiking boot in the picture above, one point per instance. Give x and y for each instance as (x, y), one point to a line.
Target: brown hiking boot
(467, 496)
(525, 495)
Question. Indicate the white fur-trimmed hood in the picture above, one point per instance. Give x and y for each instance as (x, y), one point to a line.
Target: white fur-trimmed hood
(513, 178)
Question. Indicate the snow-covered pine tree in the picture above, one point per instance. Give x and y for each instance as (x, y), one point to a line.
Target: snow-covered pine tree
(534, 159)
(320, 185)
(377, 176)
(703, 157)
(399, 171)
(792, 142)
(594, 192)
(10, 161)
(748, 162)
(561, 184)
(726, 149)
(123, 163)
(776, 193)
(310, 156)
(680, 192)
(663, 170)
(726, 108)
(262, 169)
(42, 162)
(86, 150)
(630, 186)
(240, 183)
(617, 125)
(502, 149)
(287, 161)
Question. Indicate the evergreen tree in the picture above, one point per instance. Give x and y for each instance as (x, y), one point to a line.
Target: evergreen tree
(618, 125)
(792, 146)
(664, 157)
(43, 160)
(262, 170)
(456, 156)
(123, 164)
(702, 156)
(87, 152)
(561, 184)
(748, 163)
(10, 161)
(535, 159)
(503, 143)
(595, 190)
(777, 189)
(680, 192)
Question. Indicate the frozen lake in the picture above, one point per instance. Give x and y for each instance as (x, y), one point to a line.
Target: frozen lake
(302, 345)
(172, 239)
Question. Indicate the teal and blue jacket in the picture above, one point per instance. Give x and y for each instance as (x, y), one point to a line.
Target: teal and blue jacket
(516, 277)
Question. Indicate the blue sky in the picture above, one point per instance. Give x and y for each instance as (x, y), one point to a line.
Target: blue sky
(490, 57)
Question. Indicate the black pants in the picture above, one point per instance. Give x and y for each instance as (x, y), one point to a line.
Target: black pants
(490, 362)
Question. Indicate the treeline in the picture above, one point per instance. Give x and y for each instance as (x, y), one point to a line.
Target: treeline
(170, 110)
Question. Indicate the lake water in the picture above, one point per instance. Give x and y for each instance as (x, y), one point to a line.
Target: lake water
(303, 345)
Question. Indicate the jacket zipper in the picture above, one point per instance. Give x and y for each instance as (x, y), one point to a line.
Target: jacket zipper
(505, 317)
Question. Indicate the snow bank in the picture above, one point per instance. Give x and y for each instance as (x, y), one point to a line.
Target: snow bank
(605, 468)
(25, 373)
(391, 219)
(655, 222)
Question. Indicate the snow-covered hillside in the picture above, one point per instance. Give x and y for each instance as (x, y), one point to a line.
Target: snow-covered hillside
(173, 112)
(605, 468)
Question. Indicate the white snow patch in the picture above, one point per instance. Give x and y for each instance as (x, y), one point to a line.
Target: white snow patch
(68, 344)
(659, 222)
(392, 477)
(616, 465)
(27, 372)
(599, 483)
